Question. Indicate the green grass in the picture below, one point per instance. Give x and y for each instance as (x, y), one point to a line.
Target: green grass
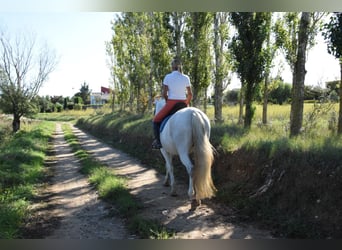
(113, 189)
(22, 158)
(67, 116)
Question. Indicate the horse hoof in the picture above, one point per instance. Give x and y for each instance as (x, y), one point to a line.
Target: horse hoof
(195, 204)
(174, 194)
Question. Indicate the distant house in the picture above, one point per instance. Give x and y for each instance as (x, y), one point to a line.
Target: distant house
(100, 98)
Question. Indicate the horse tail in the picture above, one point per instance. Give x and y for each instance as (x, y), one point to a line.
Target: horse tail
(203, 157)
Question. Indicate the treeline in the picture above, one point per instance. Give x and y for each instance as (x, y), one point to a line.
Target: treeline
(280, 93)
(50, 104)
(213, 46)
(80, 100)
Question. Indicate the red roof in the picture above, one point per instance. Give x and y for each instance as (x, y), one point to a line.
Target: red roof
(105, 90)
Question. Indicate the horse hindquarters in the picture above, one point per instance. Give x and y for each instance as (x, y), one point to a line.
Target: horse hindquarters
(176, 138)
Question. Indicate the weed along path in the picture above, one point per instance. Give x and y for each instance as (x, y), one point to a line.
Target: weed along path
(209, 221)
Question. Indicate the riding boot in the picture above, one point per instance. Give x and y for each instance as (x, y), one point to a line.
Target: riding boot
(156, 143)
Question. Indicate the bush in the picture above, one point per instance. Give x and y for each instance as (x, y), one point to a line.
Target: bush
(78, 106)
(59, 107)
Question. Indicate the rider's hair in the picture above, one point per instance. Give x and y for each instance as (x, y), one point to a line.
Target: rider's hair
(176, 64)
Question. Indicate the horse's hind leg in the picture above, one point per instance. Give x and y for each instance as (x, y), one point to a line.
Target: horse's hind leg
(185, 159)
(191, 191)
(169, 176)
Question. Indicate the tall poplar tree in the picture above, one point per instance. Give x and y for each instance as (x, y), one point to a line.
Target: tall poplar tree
(222, 61)
(117, 49)
(269, 51)
(197, 58)
(299, 71)
(174, 22)
(247, 50)
(161, 56)
(295, 35)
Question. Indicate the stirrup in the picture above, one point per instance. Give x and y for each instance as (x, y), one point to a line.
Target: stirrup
(156, 145)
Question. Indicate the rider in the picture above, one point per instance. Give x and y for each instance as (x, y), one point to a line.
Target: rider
(176, 88)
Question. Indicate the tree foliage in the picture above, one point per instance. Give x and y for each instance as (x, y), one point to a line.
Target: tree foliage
(140, 52)
(280, 93)
(143, 44)
(333, 34)
(197, 58)
(84, 94)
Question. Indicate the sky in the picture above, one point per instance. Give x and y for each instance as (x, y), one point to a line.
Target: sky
(78, 39)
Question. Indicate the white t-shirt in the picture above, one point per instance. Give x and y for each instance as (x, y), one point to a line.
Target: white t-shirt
(177, 83)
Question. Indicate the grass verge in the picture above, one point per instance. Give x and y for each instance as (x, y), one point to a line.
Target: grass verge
(113, 189)
(22, 157)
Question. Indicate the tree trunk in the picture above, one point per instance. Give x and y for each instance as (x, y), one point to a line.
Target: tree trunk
(249, 109)
(205, 101)
(241, 103)
(297, 105)
(218, 79)
(195, 84)
(267, 77)
(218, 104)
(113, 100)
(339, 128)
(16, 123)
(195, 98)
(178, 33)
(264, 107)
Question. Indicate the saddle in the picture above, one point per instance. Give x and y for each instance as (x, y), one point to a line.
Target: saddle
(176, 107)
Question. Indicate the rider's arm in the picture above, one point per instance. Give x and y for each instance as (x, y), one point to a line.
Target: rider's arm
(189, 95)
(165, 91)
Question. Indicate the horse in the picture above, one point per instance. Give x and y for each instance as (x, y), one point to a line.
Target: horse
(186, 131)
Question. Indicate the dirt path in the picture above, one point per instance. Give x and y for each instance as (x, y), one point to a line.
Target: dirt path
(210, 221)
(69, 207)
